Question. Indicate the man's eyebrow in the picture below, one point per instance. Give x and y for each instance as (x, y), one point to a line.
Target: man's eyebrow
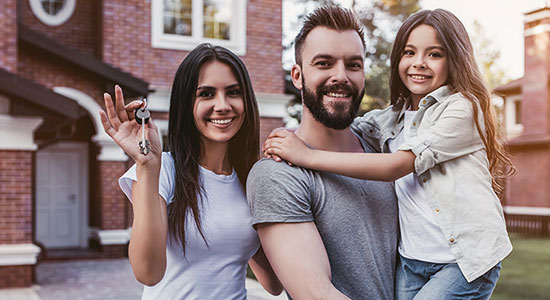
(322, 56)
(356, 57)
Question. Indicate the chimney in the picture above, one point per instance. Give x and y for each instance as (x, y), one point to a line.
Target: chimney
(535, 89)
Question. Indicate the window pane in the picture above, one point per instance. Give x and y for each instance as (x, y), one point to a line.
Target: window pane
(52, 7)
(217, 19)
(178, 15)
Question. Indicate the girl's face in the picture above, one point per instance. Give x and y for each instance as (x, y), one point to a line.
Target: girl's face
(218, 109)
(423, 66)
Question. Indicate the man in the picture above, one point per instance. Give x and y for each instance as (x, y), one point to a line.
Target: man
(327, 236)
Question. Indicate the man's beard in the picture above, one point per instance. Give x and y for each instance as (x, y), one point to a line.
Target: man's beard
(342, 114)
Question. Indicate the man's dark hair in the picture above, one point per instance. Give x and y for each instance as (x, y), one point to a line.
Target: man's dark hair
(333, 17)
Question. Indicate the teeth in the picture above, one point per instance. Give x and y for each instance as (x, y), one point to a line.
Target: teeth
(420, 77)
(221, 122)
(336, 95)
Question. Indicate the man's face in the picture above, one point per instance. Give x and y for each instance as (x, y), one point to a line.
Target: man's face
(331, 77)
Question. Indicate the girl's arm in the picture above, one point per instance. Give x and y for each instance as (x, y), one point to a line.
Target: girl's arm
(147, 249)
(370, 166)
(264, 273)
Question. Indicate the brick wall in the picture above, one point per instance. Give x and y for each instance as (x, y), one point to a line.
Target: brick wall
(125, 46)
(528, 187)
(16, 180)
(8, 35)
(267, 125)
(535, 90)
(15, 276)
(113, 201)
(51, 72)
(81, 31)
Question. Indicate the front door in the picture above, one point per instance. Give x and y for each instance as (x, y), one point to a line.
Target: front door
(58, 197)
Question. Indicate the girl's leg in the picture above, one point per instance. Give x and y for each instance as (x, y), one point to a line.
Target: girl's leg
(449, 284)
(410, 276)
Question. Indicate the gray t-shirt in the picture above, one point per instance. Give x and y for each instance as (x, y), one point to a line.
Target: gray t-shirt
(357, 220)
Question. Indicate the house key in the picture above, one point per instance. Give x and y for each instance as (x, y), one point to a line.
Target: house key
(142, 117)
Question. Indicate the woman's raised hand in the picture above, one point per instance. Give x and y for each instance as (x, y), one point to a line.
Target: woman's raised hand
(120, 124)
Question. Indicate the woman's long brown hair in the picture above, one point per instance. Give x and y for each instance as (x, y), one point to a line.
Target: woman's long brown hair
(464, 77)
(184, 141)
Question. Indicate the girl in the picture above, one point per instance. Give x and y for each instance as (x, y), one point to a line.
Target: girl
(192, 235)
(445, 157)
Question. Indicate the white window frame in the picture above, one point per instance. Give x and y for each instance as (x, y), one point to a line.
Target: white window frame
(237, 42)
(512, 128)
(53, 20)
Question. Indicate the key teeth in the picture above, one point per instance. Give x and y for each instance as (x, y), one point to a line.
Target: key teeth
(144, 149)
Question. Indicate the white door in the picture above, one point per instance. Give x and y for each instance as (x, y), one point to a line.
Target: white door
(58, 198)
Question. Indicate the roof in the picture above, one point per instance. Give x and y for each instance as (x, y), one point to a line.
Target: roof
(512, 87)
(32, 93)
(133, 86)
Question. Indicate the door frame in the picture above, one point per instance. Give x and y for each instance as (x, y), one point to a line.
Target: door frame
(81, 149)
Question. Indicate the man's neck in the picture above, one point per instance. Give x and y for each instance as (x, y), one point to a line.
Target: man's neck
(321, 137)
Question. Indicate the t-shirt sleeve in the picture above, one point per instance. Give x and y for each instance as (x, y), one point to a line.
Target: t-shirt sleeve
(278, 193)
(166, 179)
(452, 135)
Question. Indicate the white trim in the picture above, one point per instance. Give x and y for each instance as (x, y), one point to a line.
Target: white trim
(18, 254)
(237, 42)
(109, 150)
(16, 133)
(537, 16)
(526, 210)
(159, 100)
(53, 20)
(542, 28)
(273, 105)
(512, 128)
(82, 149)
(111, 237)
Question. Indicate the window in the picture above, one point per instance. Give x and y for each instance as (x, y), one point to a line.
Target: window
(183, 24)
(52, 12)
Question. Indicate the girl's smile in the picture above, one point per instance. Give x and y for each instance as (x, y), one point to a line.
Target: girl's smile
(423, 66)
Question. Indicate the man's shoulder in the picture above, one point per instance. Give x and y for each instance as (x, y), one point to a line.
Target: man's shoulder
(267, 168)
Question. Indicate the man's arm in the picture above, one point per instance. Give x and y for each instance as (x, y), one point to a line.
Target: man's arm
(298, 257)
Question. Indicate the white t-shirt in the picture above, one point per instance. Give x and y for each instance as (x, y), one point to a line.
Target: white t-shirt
(217, 271)
(421, 238)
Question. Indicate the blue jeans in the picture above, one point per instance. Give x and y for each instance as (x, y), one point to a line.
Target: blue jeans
(421, 280)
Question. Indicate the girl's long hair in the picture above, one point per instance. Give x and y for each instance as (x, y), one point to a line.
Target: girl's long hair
(464, 77)
(185, 144)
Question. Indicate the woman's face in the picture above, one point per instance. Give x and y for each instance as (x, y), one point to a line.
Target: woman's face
(219, 109)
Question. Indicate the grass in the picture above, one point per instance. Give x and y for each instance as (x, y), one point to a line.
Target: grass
(526, 271)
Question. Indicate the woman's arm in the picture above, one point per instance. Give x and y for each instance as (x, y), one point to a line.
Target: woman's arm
(147, 250)
(370, 166)
(264, 273)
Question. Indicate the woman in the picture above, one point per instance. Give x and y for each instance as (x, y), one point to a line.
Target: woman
(192, 235)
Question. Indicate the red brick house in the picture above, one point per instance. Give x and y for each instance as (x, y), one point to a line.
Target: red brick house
(527, 122)
(58, 169)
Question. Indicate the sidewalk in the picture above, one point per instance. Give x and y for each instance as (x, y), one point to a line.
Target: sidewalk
(105, 279)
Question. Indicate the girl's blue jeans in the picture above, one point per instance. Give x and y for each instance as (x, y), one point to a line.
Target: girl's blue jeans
(421, 280)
